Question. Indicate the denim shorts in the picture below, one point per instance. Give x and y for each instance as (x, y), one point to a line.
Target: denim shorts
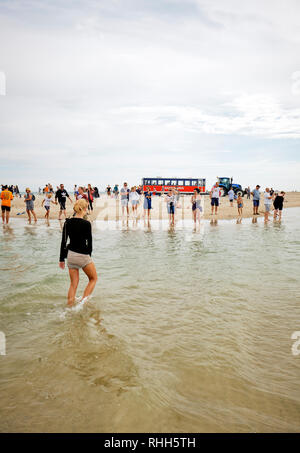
(256, 203)
(215, 201)
(29, 205)
(171, 209)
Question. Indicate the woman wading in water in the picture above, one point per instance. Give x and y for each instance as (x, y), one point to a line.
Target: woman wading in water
(78, 251)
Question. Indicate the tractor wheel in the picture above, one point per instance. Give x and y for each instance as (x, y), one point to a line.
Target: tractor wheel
(240, 192)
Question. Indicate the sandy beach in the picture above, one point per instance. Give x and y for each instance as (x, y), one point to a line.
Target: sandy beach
(106, 208)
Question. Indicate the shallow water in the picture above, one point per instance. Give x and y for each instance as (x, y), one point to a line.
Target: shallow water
(187, 330)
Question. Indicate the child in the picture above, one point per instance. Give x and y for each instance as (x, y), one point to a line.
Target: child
(47, 202)
(240, 204)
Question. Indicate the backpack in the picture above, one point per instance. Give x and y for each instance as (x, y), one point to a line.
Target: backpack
(32, 197)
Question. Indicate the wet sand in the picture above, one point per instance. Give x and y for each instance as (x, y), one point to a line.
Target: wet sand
(106, 208)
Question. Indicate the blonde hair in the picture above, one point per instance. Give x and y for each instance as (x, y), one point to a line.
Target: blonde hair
(80, 206)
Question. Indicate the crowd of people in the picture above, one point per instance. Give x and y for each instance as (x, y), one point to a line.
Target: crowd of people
(270, 197)
(132, 197)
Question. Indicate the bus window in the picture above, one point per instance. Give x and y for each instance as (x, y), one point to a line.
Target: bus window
(187, 182)
(153, 182)
(174, 182)
(160, 182)
(180, 182)
(167, 182)
(194, 182)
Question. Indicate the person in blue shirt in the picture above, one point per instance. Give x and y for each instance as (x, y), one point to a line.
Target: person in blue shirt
(256, 199)
(147, 202)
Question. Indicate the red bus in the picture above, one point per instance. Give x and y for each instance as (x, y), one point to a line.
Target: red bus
(183, 185)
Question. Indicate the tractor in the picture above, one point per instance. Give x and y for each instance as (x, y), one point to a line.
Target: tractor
(226, 183)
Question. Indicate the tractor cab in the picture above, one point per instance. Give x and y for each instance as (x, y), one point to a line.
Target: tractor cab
(225, 184)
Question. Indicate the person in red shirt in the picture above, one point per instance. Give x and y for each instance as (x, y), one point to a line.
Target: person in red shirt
(81, 194)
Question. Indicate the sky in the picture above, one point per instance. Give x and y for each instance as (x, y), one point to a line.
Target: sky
(107, 91)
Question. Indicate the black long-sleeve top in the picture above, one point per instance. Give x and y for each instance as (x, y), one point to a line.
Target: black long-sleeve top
(80, 233)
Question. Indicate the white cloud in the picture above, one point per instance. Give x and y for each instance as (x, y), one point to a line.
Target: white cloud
(249, 115)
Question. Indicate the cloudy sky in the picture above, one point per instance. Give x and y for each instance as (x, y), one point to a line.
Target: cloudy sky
(103, 91)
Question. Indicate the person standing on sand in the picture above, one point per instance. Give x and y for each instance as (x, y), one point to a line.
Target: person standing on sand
(278, 204)
(124, 199)
(256, 199)
(61, 195)
(215, 198)
(116, 191)
(231, 196)
(108, 191)
(78, 252)
(29, 201)
(268, 203)
(196, 205)
(248, 193)
(6, 197)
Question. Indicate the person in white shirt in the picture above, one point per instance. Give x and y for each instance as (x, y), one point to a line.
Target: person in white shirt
(171, 202)
(134, 199)
(231, 196)
(215, 197)
(47, 203)
(124, 198)
(268, 203)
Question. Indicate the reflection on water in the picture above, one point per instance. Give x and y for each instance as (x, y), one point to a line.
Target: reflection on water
(189, 329)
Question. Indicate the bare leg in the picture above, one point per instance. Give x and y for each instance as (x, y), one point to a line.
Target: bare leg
(59, 215)
(7, 217)
(29, 216)
(34, 216)
(266, 216)
(74, 280)
(90, 271)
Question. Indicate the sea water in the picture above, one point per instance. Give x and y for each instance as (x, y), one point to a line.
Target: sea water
(188, 330)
